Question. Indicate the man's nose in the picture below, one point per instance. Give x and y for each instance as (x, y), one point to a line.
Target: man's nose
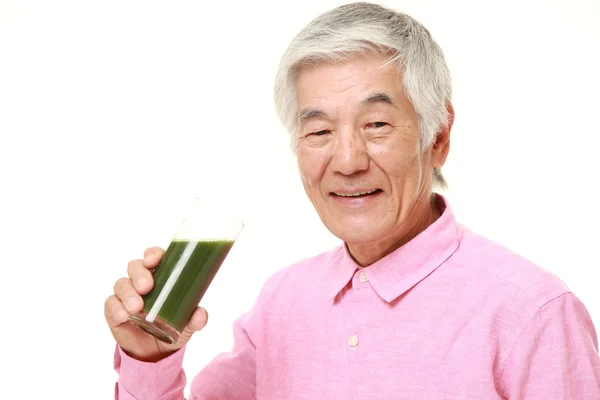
(350, 153)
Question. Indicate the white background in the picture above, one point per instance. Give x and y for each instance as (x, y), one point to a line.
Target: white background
(113, 114)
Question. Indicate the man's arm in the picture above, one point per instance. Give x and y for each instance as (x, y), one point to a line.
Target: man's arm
(229, 376)
(556, 355)
(138, 380)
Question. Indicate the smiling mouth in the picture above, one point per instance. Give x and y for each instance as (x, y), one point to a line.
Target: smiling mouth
(357, 194)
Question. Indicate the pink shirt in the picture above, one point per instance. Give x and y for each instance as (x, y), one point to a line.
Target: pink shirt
(450, 315)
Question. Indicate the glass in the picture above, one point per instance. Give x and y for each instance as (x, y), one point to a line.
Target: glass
(187, 268)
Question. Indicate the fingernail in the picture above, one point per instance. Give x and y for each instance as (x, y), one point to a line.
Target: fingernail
(148, 258)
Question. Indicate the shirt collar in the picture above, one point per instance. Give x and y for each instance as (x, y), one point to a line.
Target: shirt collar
(406, 266)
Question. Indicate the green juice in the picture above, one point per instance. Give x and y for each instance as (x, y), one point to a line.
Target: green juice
(182, 277)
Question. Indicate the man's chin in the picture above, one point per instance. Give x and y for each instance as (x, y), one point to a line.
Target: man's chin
(358, 235)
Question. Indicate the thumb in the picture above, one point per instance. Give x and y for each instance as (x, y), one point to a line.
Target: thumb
(197, 322)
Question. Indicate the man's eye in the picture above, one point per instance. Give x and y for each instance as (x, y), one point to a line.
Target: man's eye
(320, 133)
(378, 124)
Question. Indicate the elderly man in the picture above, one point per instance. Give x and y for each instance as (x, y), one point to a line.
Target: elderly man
(412, 305)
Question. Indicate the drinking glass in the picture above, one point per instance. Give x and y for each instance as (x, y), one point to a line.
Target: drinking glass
(187, 268)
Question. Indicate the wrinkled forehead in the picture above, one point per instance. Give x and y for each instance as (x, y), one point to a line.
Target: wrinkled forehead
(355, 83)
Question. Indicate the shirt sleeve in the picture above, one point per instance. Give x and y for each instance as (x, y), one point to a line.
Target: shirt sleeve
(138, 380)
(555, 356)
(230, 375)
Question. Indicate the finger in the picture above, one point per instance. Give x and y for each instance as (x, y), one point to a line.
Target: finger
(152, 256)
(114, 312)
(127, 294)
(140, 276)
(199, 320)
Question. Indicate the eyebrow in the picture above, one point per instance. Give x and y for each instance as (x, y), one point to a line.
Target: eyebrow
(308, 113)
(379, 97)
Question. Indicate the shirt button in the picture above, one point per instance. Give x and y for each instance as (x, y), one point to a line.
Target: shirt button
(353, 341)
(363, 277)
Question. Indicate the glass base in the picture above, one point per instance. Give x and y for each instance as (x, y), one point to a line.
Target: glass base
(159, 328)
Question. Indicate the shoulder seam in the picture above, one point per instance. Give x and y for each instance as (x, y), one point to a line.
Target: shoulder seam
(525, 326)
(277, 279)
(553, 296)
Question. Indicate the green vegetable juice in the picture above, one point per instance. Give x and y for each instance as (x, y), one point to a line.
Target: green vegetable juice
(182, 277)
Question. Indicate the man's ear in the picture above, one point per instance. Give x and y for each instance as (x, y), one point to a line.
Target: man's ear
(441, 145)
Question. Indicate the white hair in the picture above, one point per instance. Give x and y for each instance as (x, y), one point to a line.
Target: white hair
(361, 28)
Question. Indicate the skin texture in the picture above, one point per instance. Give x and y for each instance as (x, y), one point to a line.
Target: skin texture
(357, 131)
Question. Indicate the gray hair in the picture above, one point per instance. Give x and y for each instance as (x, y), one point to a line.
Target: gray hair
(361, 28)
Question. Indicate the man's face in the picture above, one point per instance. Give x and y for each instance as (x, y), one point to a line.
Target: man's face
(358, 147)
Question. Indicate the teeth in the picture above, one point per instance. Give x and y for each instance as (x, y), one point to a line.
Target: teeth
(354, 194)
